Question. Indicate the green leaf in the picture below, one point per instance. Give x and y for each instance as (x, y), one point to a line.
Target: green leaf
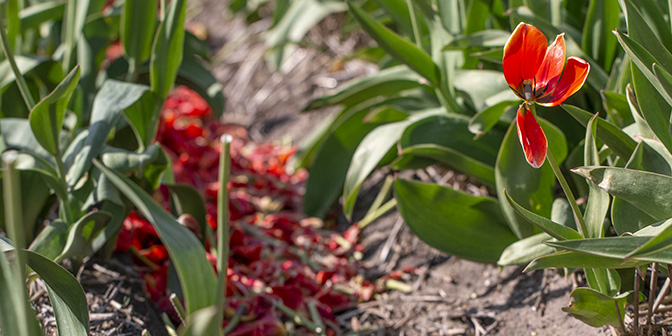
(449, 157)
(65, 293)
(399, 48)
(34, 15)
(186, 252)
(617, 140)
(325, 183)
(485, 88)
(525, 250)
(187, 200)
(370, 152)
(150, 164)
(201, 322)
(647, 191)
(299, 18)
(46, 118)
(488, 38)
(522, 182)
(598, 200)
(50, 242)
(142, 117)
(81, 235)
(168, 49)
(387, 82)
(660, 242)
(457, 223)
(552, 228)
(596, 309)
(137, 30)
(640, 31)
(581, 260)
(617, 108)
(112, 99)
(16, 315)
(487, 118)
(17, 134)
(195, 76)
(602, 18)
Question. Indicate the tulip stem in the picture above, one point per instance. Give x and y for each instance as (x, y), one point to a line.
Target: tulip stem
(578, 217)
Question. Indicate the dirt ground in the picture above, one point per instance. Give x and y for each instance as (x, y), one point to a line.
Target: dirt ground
(449, 296)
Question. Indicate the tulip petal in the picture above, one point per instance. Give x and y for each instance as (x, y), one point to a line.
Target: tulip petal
(572, 80)
(531, 136)
(551, 68)
(523, 54)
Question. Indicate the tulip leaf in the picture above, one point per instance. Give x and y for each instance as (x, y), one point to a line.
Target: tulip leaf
(81, 235)
(186, 252)
(46, 118)
(371, 151)
(525, 250)
(645, 190)
(522, 182)
(597, 309)
(598, 41)
(552, 228)
(451, 158)
(137, 30)
(387, 82)
(488, 38)
(51, 240)
(467, 226)
(487, 118)
(617, 140)
(660, 242)
(399, 48)
(570, 259)
(597, 205)
(168, 49)
(617, 108)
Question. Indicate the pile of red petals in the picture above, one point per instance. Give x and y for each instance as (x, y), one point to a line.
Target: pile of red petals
(280, 262)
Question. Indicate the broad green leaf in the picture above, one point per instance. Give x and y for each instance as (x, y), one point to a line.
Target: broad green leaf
(195, 76)
(487, 118)
(610, 247)
(33, 163)
(201, 322)
(488, 38)
(46, 118)
(664, 78)
(602, 18)
(532, 188)
(581, 260)
(640, 123)
(370, 152)
(150, 164)
(596, 309)
(617, 108)
(399, 13)
(660, 242)
(17, 134)
(143, 118)
(647, 191)
(81, 235)
(525, 250)
(299, 18)
(168, 49)
(449, 157)
(65, 293)
(186, 252)
(399, 48)
(387, 82)
(51, 240)
(640, 31)
(137, 30)
(610, 134)
(74, 20)
(325, 183)
(597, 205)
(112, 99)
(485, 88)
(34, 15)
(185, 199)
(552, 228)
(456, 223)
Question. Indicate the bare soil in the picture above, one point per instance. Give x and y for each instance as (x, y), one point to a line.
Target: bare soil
(449, 296)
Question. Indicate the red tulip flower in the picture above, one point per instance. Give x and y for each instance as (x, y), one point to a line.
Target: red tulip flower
(534, 71)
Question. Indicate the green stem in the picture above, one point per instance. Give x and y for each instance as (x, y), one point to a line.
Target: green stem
(223, 222)
(581, 224)
(578, 217)
(20, 81)
(233, 323)
(65, 202)
(370, 217)
(414, 24)
(175, 301)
